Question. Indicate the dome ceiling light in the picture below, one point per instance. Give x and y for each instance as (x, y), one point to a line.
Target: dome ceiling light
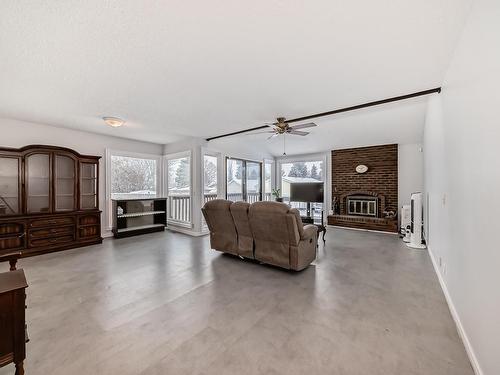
(115, 122)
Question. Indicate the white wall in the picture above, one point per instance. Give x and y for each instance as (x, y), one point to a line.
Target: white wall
(410, 172)
(462, 181)
(18, 133)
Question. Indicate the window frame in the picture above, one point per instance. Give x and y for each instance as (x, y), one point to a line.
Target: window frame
(220, 178)
(135, 155)
(173, 156)
(243, 174)
(273, 173)
(324, 158)
(220, 172)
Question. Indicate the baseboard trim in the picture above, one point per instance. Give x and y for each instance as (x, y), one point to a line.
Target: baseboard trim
(107, 234)
(460, 328)
(361, 229)
(189, 232)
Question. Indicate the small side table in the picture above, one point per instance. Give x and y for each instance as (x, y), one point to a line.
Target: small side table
(321, 229)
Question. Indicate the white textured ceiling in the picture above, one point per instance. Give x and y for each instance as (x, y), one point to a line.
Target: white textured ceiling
(201, 68)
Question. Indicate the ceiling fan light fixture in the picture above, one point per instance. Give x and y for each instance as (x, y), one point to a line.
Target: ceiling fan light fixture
(114, 122)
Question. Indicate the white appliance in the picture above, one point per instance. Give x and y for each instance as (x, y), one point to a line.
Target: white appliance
(416, 209)
(405, 222)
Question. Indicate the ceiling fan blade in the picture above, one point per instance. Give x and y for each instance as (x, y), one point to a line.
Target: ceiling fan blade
(274, 135)
(297, 132)
(303, 126)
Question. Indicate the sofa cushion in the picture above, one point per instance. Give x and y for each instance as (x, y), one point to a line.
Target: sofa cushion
(274, 229)
(239, 211)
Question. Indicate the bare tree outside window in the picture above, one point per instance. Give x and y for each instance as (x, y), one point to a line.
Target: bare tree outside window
(132, 177)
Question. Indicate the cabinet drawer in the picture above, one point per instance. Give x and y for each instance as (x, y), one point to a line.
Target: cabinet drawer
(51, 241)
(90, 231)
(9, 229)
(89, 219)
(52, 232)
(12, 243)
(49, 222)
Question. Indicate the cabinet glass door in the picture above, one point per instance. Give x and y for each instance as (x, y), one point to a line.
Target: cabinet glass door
(38, 183)
(88, 195)
(9, 186)
(64, 183)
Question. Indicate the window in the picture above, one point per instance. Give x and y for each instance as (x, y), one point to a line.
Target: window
(268, 172)
(133, 177)
(302, 172)
(211, 179)
(179, 188)
(253, 181)
(210, 189)
(243, 180)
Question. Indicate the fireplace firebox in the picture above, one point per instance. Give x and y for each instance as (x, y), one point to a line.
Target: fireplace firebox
(362, 205)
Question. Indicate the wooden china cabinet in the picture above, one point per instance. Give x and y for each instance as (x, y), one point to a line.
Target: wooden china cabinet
(48, 200)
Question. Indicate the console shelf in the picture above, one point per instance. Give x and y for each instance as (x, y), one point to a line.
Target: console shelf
(141, 227)
(138, 216)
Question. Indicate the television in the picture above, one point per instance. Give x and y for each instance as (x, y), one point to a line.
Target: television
(312, 192)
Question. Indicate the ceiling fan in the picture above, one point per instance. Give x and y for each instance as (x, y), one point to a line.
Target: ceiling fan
(282, 127)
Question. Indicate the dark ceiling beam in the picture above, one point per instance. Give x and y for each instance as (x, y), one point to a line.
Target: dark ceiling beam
(335, 111)
(238, 132)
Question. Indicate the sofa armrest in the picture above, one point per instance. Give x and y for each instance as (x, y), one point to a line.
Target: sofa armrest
(310, 231)
(305, 253)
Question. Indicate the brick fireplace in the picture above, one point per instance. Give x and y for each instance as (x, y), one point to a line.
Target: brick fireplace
(367, 200)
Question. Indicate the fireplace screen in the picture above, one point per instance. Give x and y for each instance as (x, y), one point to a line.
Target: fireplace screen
(363, 206)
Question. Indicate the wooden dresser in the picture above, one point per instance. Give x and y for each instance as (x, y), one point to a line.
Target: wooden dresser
(48, 200)
(12, 319)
